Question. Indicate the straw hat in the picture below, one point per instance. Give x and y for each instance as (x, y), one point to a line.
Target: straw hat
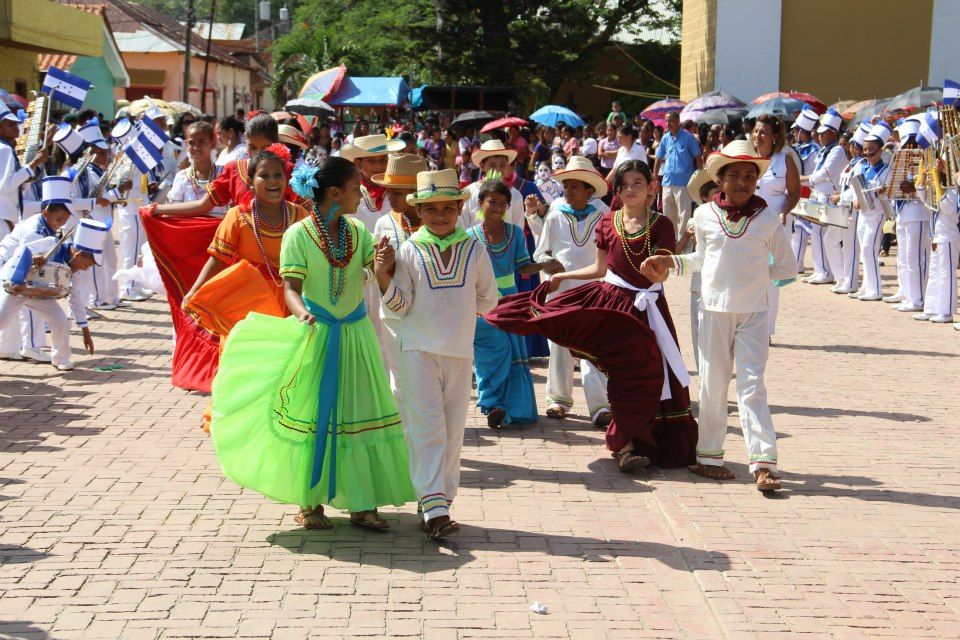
(736, 151)
(580, 168)
(492, 148)
(402, 170)
(292, 135)
(370, 147)
(699, 178)
(435, 186)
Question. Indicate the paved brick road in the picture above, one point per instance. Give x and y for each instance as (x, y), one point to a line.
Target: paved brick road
(115, 521)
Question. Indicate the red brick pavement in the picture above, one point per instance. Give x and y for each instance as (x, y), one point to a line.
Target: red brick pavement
(115, 521)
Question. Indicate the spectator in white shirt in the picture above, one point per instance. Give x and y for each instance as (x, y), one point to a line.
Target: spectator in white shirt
(629, 149)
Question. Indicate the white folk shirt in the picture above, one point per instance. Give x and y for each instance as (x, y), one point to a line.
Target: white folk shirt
(571, 242)
(825, 179)
(387, 227)
(637, 152)
(438, 304)
(736, 272)
(11, 181)
(471, 207)
(535, 222)
(367, 213)
(239, 152)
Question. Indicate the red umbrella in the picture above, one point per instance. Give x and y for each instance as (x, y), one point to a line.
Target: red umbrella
(811, 100)
(503, 123)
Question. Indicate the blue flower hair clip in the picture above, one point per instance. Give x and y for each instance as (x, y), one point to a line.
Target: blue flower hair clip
(304, 181)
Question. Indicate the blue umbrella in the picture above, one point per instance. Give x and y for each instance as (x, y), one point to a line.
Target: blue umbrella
(552, 115)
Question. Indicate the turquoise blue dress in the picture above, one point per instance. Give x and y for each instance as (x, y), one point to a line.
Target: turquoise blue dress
(500, 361)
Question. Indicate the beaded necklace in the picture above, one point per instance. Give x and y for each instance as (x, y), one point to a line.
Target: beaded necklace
(499, 248)
(646, 248)
(197, 183)
(732, 230)
(258, 222)
(338, 257)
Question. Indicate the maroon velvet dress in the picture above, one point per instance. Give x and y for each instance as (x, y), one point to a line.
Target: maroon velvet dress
(598, 321)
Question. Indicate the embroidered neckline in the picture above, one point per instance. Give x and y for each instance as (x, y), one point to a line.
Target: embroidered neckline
(453, 275)
(732, 230)
(574, 224)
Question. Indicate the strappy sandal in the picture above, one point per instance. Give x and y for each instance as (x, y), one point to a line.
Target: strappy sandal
(496, 417)
(445, 530)
(312, 519)
(557, 412)
(369, 520)
(631, 461)
(765, 481)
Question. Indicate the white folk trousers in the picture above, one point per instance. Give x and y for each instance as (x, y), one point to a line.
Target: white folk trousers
(560, 382)
(434, 400)
(741, 339)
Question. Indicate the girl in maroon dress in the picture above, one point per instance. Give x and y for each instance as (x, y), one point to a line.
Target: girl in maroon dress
(623, 324)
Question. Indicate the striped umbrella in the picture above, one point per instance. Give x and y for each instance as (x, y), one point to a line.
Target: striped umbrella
(323, 84)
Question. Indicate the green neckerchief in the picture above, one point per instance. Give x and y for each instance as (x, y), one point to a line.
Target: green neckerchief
(425, 236)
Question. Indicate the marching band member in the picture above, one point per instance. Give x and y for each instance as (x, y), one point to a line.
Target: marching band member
(13, 175)
(941, 294)
(824, 182)
(870, 222)
(848, 281)
(913, 235)
(807, 149)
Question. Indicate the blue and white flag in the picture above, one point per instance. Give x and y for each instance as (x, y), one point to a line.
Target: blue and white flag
(155, 134)
(951, 92)
(929, 131)
(144, 153)
(69, 89)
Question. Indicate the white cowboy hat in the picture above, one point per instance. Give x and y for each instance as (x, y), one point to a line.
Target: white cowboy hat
(292, 135)
(370, 147)
(492, 148)
(402, 171)
(699, 178)
(579, 168)
(434, 186)
(736, 151)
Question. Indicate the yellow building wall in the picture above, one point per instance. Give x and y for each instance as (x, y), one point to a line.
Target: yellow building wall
(828, 48)
(698, 48)
(18, 66)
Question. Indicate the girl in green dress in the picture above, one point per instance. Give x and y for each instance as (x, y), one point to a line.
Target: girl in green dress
(282, 378)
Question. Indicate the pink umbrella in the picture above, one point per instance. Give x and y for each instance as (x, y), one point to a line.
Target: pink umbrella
(659, 109)
(503, 123)
(697, 107)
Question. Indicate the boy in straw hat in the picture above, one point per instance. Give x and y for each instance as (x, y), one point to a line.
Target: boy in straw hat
(434, 287)
(567, 235)
(495, 161)
(736, 234)
(369, 154)
(27, 246)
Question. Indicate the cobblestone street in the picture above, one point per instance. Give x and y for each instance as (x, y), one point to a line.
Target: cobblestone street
(116, 522)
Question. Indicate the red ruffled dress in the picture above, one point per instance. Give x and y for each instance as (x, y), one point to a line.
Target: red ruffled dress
(599, 321)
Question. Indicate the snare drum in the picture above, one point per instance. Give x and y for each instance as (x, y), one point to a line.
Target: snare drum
(49, 282)
(808, 210)
(834, 215)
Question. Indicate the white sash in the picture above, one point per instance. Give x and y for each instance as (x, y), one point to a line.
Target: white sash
(646, 300)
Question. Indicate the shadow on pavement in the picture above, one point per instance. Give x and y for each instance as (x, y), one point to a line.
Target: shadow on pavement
(866, 350)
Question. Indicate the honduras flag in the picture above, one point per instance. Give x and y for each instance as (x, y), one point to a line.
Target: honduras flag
(69, 89)
(144, 153)
(157, 136)
(951, 92)
(929, 131)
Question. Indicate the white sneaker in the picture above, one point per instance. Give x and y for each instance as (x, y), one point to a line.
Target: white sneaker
(894, 299)
(957, 326)
(855, 294)
(123, 304)
(35, 354)
(941, 318)
(10, 356)
(64, 366)
(821, 279)
(93, 315)
(135, 297)
(104, 306)
(906, 307)
(846, 290)
(922, 316)
(872, 298)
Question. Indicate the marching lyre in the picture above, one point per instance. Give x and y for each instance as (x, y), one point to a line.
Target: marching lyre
(33, 137)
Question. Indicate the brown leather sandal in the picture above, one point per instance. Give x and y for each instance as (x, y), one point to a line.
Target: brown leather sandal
(712, 472)
(312, 519)
(631, 461)
(766, 481)
(369, 520)
(557, 411)
(439, 528)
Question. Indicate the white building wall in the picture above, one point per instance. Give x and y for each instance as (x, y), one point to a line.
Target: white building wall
(944, 61)
(748, 47)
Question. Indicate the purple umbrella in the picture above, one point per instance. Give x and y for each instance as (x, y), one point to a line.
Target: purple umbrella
(707, 102)
(659, 109)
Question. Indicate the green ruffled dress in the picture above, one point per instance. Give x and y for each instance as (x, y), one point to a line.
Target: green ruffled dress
(265, 394)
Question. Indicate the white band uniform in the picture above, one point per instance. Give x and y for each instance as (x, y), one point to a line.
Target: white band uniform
(646, 300)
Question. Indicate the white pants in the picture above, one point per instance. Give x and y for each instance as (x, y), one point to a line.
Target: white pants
(869, 239)
(830, 239)
(851, 253)
(773, 306)
(695, 323)
(105, 290)
(799, 241)
(941, 297)
(435, 397)
(131, 237)
(821, 264)
(560, 382)
(52, 312)
(742, 339)
(913, 260)
(677, 206)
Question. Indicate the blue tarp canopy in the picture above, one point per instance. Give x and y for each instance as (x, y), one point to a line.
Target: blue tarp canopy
(370, 92)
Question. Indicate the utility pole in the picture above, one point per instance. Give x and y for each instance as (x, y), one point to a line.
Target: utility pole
(206, 61)
(186, 53)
